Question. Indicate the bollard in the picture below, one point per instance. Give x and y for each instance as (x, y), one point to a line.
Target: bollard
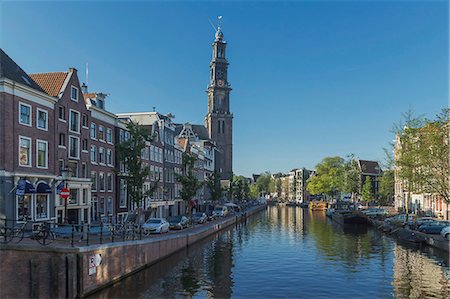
(73, 235)
(87, 234)
(101, 233)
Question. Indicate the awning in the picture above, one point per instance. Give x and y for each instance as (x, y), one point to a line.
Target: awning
(25, 187)
(43, 188)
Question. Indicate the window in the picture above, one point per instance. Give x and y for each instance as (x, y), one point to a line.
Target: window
(73, 169)
(84, 199)
(152, 153)
(24, 151)
(41, 154)
(73, 199)
(42, 119)
(62, 139)
(101, 132)
(24, 114)
(127, 135)
(84, 120)
(23, 207)
(109, 206)
(102, 181)
(84, 170)
(152, 172)
(62, 113)
(121, 135)
(85, 145)
(109, 158)
(110, 182)
(74, 93)
(41, 207)
(109, 135)
(61, 164)
(94, 181)
(74, 120)
(122, 194)
(93, 154)
(93, 131)
(101, 155)
(100, 104)
(101, 208)
(74, 147)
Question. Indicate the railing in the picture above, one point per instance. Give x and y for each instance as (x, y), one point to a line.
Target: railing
(46, 233)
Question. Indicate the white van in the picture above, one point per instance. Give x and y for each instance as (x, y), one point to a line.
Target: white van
(220, 211)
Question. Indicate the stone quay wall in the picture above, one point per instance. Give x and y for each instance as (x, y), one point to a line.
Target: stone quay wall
(34, 271)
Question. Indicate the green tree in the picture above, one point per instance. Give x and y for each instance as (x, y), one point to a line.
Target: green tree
(189, 182)
(129, 152)
(241, 189)
(263, 182)
(387, 185)
(328, 178)
(367, 194)
(253, 191)
(352, 177)
(214, 186)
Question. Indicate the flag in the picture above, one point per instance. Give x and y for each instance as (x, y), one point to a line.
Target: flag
(59, 187)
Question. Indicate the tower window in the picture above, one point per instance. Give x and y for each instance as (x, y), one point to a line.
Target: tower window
(223, 126)
(218, 126)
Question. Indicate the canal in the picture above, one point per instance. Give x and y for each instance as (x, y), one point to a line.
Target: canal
(289, 252)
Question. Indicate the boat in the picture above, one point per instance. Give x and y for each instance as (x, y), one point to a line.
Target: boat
(317, 205)
(348, 217)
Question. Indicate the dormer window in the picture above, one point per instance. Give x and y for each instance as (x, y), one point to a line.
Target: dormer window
(100, 104)
(74, 93)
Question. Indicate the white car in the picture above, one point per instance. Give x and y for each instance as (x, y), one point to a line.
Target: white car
(445, 232)
(155, 226)
(220, 211)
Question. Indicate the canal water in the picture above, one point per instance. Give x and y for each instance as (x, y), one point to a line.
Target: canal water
(290, 252)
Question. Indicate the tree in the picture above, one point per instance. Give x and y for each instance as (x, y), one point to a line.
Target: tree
(328, 178)
(387, 185)
(241, 189)
(263, 182)
(189, 182)
(129, 152)
(352, 177)
(367, 194)
(214, 186)
(253, 191)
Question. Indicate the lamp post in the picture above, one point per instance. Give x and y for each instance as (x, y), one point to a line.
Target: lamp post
(65, 175)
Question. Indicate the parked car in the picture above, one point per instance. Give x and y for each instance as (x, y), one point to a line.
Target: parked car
(374, 212)
(199, 217)
(220, 211)
(178, 222)
(434, 227)
(156, 226)
(445, 232)
(399, 219)
(232, 208)
(420, 221)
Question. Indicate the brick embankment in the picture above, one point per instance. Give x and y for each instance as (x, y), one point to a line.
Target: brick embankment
(35, 271)
(404, 234)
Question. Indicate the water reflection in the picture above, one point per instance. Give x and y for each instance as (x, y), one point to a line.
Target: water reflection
(292, 253)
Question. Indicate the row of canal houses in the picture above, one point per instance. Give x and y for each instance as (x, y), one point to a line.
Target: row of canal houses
(55, 134)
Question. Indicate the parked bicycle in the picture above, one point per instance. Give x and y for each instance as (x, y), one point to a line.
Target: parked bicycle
(43, 235)
(14, 233)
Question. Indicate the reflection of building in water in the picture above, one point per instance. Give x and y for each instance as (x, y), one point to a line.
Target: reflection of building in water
(417, 276)
(290, 217)
(219, 264)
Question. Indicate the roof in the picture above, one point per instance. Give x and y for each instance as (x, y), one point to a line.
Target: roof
(89, 95)
(370, 167)
(11, 70)
(199, 130)
(51, 83)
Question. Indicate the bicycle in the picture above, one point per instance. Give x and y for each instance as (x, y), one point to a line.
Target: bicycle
(10, 233)
(43, 234)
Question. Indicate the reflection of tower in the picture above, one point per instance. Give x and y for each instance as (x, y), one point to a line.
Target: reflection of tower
(221, 264)
(219, 120)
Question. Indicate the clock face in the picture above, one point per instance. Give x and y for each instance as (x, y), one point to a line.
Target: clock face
(220, 83)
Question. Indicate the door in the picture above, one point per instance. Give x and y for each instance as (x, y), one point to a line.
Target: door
(72, 216)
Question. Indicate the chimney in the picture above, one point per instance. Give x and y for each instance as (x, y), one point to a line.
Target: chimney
(84, 88)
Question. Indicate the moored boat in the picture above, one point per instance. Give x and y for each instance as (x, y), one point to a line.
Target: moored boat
(317, 205)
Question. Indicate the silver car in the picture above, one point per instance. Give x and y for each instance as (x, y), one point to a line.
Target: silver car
(155, 226)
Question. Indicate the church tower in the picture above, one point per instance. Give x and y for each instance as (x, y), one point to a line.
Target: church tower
(219, 120)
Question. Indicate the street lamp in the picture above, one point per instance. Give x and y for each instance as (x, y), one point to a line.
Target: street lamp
(65, 175)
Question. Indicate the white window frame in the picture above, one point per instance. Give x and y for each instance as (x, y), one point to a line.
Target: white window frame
(100, 174)
(87, 120)
(31, 207)
(70, 121)
(71, 93)
(110, 187)
(34, 201)
(62, 119)
(104, 133)
(37, 153)
(31, 114)
(87, 145)
(109, 152)
(111, 134)
(30, 164)
(96, 181)
(95, 154)
(100, 156)
(90, 131)
(65, 140)
(37, 119)
(69, 147)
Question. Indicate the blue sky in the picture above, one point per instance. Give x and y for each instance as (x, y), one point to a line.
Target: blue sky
(310, 79)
